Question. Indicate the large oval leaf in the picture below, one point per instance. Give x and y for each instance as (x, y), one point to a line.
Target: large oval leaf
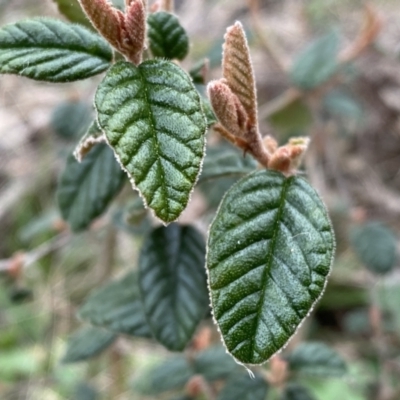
(86, 189)
(50, 50)
(166, 36)
(270, 248)
(172, 281)
(117, 307)
(153, 119)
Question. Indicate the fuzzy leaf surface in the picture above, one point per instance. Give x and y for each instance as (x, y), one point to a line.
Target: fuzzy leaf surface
(51, 50)
(172, 282)
(86, 189)
(167, 38)
(316, 359)
(153, 119)
(270, 249)
(117, 307)
(242, 387)
(87, 343)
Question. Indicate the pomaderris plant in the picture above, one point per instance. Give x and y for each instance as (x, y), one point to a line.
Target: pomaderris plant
(270, 246)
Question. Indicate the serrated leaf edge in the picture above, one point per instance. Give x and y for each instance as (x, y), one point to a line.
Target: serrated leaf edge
(312, 306)
(132, 180)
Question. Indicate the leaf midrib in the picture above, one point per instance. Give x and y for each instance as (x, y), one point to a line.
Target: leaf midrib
(269, 257)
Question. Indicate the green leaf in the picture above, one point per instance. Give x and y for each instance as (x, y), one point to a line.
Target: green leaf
(376, 246)
(317, 62)
(152, 117)
(214, 363)
(318, 359)
(243, 387)
(167, 38)
(117, 307)
(173, 374)
(198, 72)
(71, 119)
(270, 249)
(46, 49)
(87, 343)
(294, 391)
(86, 189)
(72, 10)
(173, 284)
(225, 160)
(93, 136)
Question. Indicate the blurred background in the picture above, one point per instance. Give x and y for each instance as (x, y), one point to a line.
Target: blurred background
(327, 69)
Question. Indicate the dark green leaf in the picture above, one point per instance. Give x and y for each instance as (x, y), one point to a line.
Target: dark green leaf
(71, 119)
(167, 38)
(85, 392)
(214, 363)
(153, 119)
(86, 189)
(117, 307)
(294, 391)
(243, 387)
(46, 49)
(317, 62)
(376, 246)
(172, 282)
(316, 358)
(173, 374)
(270, 249)
(225, 160)
(72, 10)
(87, 343)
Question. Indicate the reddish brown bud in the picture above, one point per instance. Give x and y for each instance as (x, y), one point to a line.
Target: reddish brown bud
(280, 160)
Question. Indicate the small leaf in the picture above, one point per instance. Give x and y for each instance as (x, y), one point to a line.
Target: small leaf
(294, 391)
(86, 189)
(316, 358)
(173, 374)
(172, 282)
(167, 38)
(376, 247)
(214, 363)
(72, 10)
(270, 249)
(242, 387)
(117, 307)
(199, 71)
(225, 160)
(152, 117)
(238, 70)
(316, 63)
(93, 136)
(71, 119)
(87, 343)
(46, 49)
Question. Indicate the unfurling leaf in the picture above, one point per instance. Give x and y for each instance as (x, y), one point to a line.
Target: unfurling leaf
(124, 31)
(153, 119)
(117, 307)
(238, 70)
(243, 387)
(167, 37)
(316, 359)
(172, 282)
(86, 189)
(45, 49)
(270, 249)
(93, 136)
(87, 343)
